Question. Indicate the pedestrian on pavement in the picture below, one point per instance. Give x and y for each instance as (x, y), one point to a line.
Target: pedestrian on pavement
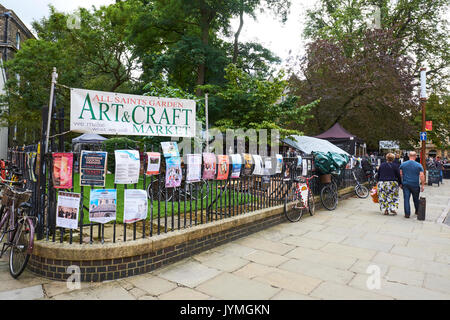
(439, 165)
(397, 159)
(412, 176)
(389, 181)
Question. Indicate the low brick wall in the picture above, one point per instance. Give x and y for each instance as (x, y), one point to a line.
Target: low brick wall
(99, 262)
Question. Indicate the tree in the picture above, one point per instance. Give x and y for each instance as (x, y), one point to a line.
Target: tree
(369, 93)
(420, 26)
(251, 102)
(94, 56)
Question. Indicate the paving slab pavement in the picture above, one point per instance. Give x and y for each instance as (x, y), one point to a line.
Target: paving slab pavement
(331, 255)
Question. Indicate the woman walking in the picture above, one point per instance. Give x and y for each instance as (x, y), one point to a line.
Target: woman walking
(389, 181)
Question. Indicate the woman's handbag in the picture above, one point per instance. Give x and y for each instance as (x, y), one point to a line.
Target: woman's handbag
(374, 194)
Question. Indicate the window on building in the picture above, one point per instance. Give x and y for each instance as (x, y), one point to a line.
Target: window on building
(18, 40)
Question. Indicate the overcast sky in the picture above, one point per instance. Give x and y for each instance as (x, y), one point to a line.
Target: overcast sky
(279, 38)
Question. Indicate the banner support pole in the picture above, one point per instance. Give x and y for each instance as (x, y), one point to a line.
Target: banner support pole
(50, 105)
(207, 124)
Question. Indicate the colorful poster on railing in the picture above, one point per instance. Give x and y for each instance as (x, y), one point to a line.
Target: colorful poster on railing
(93, 168)
(279, 167)
(62, 170)
(173, 172)
(236, 162)
(103, 205)
(125, 114)
(135, 205)
(170, 149)
(193, 167)
(223, 165)
(299, 161)
(153, 163)
(248, 164)
(209, 166)
(258, 170)
(67, 209)
(128, 166)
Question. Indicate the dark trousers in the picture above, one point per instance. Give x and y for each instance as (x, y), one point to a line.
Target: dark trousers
(407, 192)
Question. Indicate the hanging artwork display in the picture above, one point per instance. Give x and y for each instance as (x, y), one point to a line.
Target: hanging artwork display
(153, 163)
(299, 161)
(267, 166)
(248, 164)
(173, 172)
(209, 166)
(135, 205)
(170, 149)
(194, 167)
(304, 167)
(258, 169)
(223, 164)
(93, 168)
(103, 205)
(67, 209)
(62, 170)
(236, 162)
(128, 165)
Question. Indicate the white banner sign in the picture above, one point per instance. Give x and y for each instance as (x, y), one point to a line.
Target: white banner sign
(389, 145)
(125, 114)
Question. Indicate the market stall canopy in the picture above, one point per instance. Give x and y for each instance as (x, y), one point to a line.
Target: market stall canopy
(336, 132)
(89, 138)
(309, 144)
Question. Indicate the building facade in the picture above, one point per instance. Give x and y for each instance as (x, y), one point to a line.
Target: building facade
(13, 33)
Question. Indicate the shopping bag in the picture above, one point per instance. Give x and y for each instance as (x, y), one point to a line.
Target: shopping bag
(374, 194)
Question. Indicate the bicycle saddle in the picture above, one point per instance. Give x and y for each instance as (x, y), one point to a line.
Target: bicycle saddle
(25, 205)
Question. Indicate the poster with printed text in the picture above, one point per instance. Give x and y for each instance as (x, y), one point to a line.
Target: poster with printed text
(258, 170)
(67, 209)
(248, 164)
(236, 162)
(209, 166)
(279, 167)
(153, 163)
(173, 172)
(170, 149)
(128, 166)
(93, 168)
(223, 164)
(103, 205)
(135, 205)
(194, 167)
(62, 170)
(267, 171)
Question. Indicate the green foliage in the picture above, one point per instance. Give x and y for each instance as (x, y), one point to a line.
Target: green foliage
(117, 144)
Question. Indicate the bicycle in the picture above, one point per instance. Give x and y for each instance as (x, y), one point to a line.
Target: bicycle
(18, 227)
(360, 190)
(294, 204)
(195, 190)
(329, 195)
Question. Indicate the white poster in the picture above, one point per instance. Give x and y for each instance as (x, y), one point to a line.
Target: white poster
(279, 167)
(126, 114)
(135, 205)
(170, 149)
(258, 165)
(304, 167)
(236, 164)
(67, 210)
(267, 166)
(127, 166)
(194, 167)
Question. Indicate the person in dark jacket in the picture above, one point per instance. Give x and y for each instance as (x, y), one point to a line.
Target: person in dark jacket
(389, 181)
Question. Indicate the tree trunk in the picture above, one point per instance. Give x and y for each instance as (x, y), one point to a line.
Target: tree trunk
(238, 32)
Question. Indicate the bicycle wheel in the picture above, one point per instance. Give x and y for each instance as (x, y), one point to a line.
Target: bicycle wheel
(361, 191)
(292, 206)
(157, 187)
(19, 255)
(329, 197)
(311, 204)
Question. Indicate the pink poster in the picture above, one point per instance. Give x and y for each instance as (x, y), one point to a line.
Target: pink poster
(62, 170)
(209, 166)
(222, 167)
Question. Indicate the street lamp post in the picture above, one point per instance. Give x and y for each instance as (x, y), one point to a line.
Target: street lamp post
(423, 99)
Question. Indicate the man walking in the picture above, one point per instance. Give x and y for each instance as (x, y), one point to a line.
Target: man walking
(411, 172)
